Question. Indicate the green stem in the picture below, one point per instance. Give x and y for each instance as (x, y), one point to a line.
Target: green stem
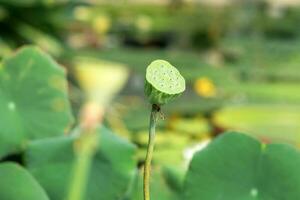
(87, 144)
(147, 167)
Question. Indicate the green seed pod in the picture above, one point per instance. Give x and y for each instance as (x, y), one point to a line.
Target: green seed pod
(163, 82)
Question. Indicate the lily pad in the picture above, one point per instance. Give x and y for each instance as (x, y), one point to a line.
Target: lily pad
(238, 167)
(51, 160)
(16, 183)
(33, 99)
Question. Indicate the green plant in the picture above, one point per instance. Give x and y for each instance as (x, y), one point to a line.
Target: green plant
(163, 83)
(58, 163)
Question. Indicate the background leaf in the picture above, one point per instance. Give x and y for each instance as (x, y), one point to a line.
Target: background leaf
(266, 122)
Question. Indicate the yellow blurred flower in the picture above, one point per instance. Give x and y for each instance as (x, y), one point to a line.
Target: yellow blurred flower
(205, 87)
(143, 23)
(82, 13)
(101, 24)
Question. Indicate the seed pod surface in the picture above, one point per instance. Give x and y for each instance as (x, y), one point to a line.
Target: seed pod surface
(163, 82)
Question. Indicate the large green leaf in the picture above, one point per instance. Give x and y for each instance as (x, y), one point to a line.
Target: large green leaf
(16, 183)
(50, 161)
(238, 167)
(33, 99)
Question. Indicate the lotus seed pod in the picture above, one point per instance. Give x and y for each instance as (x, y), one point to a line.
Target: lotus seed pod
(163, 82)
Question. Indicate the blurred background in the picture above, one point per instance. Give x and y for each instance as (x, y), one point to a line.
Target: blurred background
(240, 58)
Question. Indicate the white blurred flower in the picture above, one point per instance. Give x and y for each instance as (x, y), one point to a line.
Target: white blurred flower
(190, 151)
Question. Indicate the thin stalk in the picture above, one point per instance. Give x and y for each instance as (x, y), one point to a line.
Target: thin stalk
(85, 146)
(147, 167)
(86, 149)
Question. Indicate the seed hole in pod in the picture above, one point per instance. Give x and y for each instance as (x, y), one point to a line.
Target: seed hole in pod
(161, 85)
(11, 106)
(161, 66)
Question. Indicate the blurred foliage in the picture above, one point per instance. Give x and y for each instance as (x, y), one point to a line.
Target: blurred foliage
(263, 121)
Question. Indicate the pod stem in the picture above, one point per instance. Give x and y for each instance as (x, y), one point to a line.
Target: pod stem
(155, 112)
